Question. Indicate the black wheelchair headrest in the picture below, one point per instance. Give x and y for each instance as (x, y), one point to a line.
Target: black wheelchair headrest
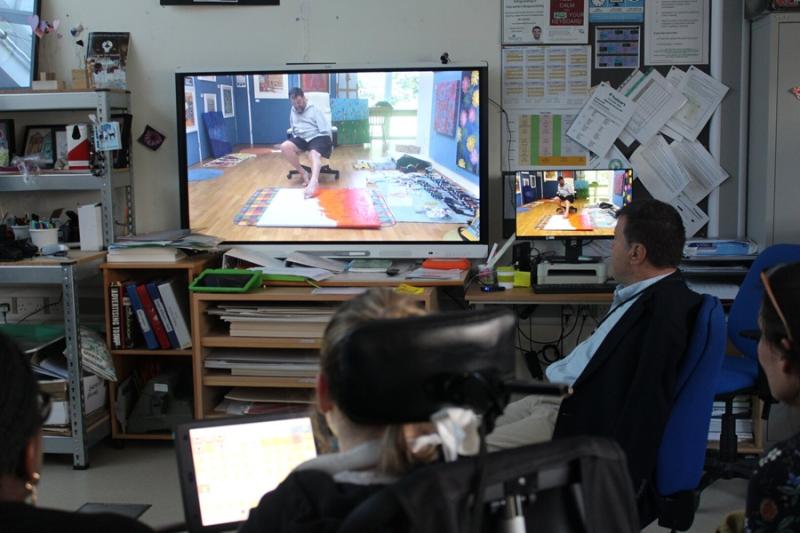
(404, 370)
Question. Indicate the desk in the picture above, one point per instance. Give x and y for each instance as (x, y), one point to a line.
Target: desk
(525, 296)
(65, 271)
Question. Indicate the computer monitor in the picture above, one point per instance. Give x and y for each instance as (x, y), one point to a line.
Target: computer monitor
(226, 465)
(571, 205)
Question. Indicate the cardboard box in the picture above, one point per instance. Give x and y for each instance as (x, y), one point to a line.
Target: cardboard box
(90, 223)
(94, 398)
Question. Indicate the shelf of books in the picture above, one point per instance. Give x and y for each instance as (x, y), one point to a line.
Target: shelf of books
(258, 352)
(149, 332)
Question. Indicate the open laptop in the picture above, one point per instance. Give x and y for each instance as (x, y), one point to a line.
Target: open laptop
(227, 465)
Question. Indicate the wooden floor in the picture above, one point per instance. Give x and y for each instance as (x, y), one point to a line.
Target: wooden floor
(214, 203)
(528, 220)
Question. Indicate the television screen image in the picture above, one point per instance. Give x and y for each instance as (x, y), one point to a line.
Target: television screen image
(570, 203)
(402, 154)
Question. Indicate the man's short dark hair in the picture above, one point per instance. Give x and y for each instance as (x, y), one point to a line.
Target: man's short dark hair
(656, 226)
(294, 92)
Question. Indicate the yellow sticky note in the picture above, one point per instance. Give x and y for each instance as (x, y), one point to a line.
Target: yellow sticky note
(405, 288)
(522, 279)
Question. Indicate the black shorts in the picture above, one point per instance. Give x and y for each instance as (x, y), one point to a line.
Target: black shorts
(567, 197)
(321, 144)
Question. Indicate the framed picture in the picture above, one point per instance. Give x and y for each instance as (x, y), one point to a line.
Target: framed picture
(226, 97)
(6, 142)
(271, 85)
(207, 78)
(61, 148)
(19, 43)
(190, 109)
(122, 156)
(209, 102)
(40, 141)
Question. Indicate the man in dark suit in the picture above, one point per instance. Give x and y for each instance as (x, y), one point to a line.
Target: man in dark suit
(623, 375)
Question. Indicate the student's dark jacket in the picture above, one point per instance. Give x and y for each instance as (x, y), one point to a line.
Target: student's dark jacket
(307, 501)
(626, 390)
(23, 518)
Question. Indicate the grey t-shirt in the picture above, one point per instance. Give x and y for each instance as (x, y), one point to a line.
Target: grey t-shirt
(311, 123)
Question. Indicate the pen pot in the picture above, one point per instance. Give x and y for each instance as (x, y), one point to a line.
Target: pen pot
(43, 237)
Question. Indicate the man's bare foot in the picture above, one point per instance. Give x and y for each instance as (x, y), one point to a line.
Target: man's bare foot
(312, 189)
(305, 178)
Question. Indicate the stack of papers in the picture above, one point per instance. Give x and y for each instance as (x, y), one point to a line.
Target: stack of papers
(161, 247)
(275, 321)
(277, 363)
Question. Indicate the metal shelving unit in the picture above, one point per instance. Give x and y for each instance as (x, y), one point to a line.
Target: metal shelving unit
(66, 272)
(102, 103)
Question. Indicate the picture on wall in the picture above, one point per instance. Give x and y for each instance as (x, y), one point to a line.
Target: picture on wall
(190, 108)
(314, 82)
(467, 134)
(226, 97)
(271, 86)
(207, 78)
(209, 102)
(445, 111)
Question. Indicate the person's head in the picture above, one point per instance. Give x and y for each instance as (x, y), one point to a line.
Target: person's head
(779, 322)
(22, 413)
(298, 99)
(537, 33)
(561, 180)
(648, 241)
(374, 304)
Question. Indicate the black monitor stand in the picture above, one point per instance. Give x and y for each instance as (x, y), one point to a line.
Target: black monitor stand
(573, 252)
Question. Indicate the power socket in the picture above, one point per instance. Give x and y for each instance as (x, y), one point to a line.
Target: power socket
(26, 305)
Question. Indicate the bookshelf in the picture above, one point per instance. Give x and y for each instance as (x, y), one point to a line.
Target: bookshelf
(127, 361)
(209, 333)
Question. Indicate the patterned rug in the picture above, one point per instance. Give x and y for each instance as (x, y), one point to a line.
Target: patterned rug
(258, 202)
(229, 160)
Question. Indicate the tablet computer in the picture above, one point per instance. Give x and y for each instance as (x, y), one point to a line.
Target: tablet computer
(227, 465)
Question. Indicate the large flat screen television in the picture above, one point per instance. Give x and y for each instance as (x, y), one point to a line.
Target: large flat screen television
(406, 175)
(571, 205)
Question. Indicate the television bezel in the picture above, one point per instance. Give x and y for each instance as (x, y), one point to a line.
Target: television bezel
(387, 249)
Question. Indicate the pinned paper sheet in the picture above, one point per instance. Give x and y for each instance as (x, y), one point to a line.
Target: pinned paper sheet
(693, 217)
(705, 174)
(601, 119)
(657, 100)
(659, 170)
(614, 160)
(704, 95)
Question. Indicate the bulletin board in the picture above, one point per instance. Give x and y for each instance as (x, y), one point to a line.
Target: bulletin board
(617, 41)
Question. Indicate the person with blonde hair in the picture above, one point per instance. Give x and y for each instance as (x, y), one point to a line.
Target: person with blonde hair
(321, 492)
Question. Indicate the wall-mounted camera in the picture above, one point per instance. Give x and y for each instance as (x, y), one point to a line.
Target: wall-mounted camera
(444, 58)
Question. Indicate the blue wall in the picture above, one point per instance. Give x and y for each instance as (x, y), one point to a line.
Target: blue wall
(443, 148)
(270, 116)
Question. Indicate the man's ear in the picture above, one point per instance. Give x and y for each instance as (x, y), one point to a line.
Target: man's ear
(637, 253)
(324, 401)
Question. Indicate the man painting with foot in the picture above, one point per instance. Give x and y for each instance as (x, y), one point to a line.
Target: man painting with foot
(310, 132)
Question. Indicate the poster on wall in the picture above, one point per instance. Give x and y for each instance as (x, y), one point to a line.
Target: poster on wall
(209, 102)
(190, 109)
(616, 47)
(446, 95)
(676, 32)
(226, 97)
(271, 85)
(468, 132)
(539, 141)
(546, 76)
(604, 11)
(545, 22)
(314, 82)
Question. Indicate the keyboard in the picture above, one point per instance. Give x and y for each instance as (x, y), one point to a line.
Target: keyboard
(559, 288)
